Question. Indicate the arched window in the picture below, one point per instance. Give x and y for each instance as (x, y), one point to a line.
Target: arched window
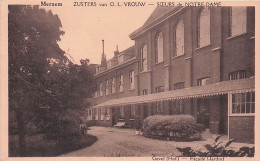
(204, 28)
(159, 48)
(144, 58)
(179, 38)
(238, 20)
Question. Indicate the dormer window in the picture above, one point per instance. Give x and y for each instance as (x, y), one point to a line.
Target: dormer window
(109, 64)
(120, 59)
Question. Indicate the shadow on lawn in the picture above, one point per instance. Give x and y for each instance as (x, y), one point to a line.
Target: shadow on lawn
(37, 146)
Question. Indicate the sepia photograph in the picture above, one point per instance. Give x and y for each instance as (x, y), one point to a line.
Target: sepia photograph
(146, 80)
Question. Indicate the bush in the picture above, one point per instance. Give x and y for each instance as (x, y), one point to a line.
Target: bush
(65, 129)
(174, 127)
(217, 150)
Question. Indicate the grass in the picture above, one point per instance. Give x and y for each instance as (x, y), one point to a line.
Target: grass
(38, 147)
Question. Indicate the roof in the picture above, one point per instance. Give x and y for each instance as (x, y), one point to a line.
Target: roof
(232, 86)
(157, 15)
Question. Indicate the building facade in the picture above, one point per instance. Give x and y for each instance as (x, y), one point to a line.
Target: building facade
(186, 60)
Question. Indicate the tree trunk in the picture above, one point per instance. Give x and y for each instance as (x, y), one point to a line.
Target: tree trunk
(21, 128)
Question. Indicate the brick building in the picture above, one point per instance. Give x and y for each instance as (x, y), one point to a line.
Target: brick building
(186, 60)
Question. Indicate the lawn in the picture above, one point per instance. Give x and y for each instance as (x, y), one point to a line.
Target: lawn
(37, 146)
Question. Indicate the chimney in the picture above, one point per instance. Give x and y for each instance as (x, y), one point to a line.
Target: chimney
(103, 58)
(116, 53)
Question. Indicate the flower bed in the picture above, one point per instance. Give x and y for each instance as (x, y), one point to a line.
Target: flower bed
(174, 127)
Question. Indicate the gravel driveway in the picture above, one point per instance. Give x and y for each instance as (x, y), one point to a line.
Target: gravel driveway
(114, 142)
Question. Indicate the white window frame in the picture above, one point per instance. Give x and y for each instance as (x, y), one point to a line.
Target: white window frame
(203, 81)
(159, 48)
(204, 27)
(131, 79)
(144, 58)
(100, 89)
(107, 87)
(241, 103)
(238, 24)
(113, 89)
(121, 83)
(179, 38)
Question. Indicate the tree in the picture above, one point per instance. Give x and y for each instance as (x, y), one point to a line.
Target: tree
(43, 83)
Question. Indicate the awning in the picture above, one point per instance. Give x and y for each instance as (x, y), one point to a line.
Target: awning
(231, 86)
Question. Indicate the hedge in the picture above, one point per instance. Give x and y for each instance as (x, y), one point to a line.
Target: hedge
(172, 127)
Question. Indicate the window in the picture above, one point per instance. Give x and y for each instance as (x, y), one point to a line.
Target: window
(120, 59)
(203, 81)
(113, 90)
(159, 48)
(132, 108)
(96, 114)
(179, 106)
(131, 80)
(107, 114)
(122, 112)
(159, 89)
(100, 89)
(144, 58)
(204, 28)
(179, 85)
(237, 75)
(145, 92)
(179, 39)
(107, 88)
(159, 107)
(238, 20)
(102, 113)
(121, 87)
(243, 103)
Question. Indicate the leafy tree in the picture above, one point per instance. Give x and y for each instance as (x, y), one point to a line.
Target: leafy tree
(43, 84)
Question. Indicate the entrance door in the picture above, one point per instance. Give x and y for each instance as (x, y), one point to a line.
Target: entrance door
(114, 116)
(145, 110)
(203, 111)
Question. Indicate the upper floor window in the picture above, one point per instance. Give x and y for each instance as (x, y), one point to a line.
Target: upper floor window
(131, 80)
(100, 89)
(179, 38)
(238, 20)
(121, 87)
(243, 103)
(113, 89)
(107, 88)
(144, 58)
(179, 85)
(203, 81)
(159, 89)
(145, 92)
(159, 48)
(204, 28)
(237, 75)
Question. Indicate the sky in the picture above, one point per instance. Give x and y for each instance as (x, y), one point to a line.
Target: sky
(85, 27)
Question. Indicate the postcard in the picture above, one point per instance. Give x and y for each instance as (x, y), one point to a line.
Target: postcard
(129, 80)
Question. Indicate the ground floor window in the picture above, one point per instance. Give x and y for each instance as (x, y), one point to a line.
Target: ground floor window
(107, 114)
(122, 112)
(243, 103)
(157, 108)
(132, 108)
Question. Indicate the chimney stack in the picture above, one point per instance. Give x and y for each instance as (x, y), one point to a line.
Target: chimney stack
(103, 58)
